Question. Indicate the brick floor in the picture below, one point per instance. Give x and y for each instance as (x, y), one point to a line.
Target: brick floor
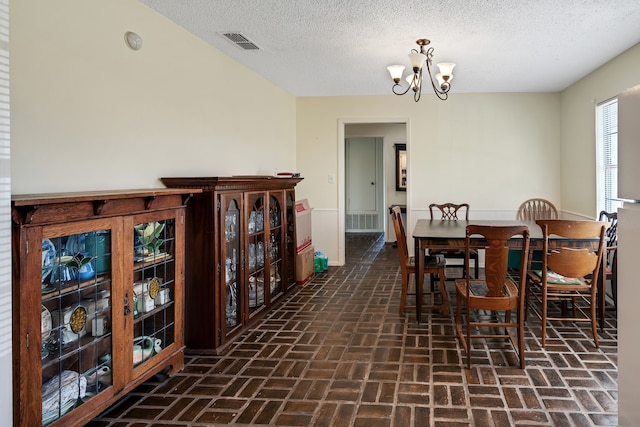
(338, 354)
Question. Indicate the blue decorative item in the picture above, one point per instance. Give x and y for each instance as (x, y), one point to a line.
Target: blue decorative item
(98, 246)
(48, 254)
(83, 264)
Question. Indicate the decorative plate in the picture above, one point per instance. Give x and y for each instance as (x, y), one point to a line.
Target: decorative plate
(154, 287)
(47, 289)
(46, 323)
(48, 254)
(78, 319)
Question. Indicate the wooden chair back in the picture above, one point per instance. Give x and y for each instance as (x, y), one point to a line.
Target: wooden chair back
(401, 237)
(611, 251)
(450, 211)
(611, 236)
(534, 209)
(497, 254)
(567, 261)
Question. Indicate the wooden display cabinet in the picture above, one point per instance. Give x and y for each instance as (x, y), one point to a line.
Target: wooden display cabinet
(98, 284)
(240, 248)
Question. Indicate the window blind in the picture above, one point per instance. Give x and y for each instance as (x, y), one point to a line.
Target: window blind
(608, 155)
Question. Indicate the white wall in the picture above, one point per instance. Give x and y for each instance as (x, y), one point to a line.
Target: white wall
(490, 150)
(89, 113)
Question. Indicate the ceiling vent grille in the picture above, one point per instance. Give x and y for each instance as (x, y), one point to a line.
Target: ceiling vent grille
(240, 40)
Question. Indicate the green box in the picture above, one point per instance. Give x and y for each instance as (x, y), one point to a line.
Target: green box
(320, 262)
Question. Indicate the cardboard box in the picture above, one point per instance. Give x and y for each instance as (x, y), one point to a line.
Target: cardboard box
(304, 266)
(303, 225)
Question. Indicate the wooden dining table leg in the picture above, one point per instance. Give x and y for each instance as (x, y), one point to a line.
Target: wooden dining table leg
(419, 260)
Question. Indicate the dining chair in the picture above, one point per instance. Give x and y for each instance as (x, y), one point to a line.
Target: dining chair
(568, 275)
(451, 212)
(433, 264)
(611, 252)
(489, 302)
(533, 209)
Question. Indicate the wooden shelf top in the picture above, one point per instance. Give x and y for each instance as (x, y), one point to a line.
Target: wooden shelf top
(231, 182)
(83, 196)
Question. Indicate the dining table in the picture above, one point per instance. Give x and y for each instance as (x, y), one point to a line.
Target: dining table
(433, 234)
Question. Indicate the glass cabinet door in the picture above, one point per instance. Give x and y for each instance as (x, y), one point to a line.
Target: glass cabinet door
(276, 244)
(154, 287)
(290, 278)
(256, 246)
(76, 317)
(232, 255)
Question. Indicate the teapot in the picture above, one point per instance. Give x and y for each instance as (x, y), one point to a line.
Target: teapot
(144, 347)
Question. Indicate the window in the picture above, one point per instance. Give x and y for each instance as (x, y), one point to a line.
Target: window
(607, 155)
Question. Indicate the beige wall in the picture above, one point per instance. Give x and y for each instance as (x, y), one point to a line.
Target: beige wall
(579, 195)
(6, 391)
(88, 113)
(578, 124)
(490, 150)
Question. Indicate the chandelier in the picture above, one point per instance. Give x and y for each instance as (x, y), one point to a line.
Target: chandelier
(418, 58)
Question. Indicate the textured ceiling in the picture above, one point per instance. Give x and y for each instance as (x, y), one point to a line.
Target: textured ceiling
(342, 47)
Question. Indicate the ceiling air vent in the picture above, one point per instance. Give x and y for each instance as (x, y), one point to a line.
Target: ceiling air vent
(241, 41)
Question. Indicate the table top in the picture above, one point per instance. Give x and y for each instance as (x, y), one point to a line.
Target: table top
(439, 229)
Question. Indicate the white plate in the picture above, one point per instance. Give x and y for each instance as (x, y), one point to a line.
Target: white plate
(46, 323)
(53, 415)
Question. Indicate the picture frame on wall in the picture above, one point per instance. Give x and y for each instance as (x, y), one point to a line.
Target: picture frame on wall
(401, 167)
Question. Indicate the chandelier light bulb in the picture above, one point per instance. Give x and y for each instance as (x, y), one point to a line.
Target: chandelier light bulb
(417, 60)
(446, 69)
(396, 72)
(442, 82)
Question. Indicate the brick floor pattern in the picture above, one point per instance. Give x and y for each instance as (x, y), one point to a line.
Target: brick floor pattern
(337, 353)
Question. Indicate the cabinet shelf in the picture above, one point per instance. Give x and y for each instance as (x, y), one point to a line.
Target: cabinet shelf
(76, 287)
(69, 350)
(151, 260)
(142, 316)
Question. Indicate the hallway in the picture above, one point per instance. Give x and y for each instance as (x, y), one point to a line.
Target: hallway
(337, 353)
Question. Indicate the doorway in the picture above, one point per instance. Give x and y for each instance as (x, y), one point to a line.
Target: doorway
(372, 128)
(364, 180)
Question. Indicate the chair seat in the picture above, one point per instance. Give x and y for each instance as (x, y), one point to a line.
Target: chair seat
(508, 300)
(452, 252)
(431, 261)
(558, 282)
(477, 288)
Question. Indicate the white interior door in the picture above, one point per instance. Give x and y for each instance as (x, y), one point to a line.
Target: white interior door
(364, 184)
